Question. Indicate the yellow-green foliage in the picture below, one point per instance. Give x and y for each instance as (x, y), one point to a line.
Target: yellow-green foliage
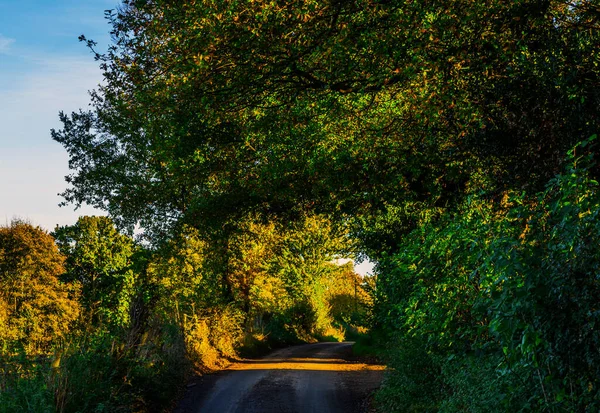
(147, 317)
(304, 260)
(251, 250)
(213, 336)
(181, 277)
(280, 274)
(36, 309)
(190, 295)
(268, 295)
(282, 278)
(349, 296)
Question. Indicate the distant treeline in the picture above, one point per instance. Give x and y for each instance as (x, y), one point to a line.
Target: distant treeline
(91, 321)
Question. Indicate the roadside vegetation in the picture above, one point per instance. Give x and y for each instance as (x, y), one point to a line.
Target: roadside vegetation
(252, 143)
(93, 321)
(494, 308)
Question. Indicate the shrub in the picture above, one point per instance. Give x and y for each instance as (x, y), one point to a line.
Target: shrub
(501, 299)
(413, 383)
(214, 336)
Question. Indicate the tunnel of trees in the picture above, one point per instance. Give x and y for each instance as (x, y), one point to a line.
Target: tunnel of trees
(252, 144)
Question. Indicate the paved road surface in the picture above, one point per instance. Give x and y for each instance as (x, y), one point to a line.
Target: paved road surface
(312, 378)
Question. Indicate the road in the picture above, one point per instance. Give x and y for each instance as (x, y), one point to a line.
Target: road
(312, 378)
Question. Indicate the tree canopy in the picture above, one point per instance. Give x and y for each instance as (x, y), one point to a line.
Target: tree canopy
(99, 260)
(35, 307)
(212, 109)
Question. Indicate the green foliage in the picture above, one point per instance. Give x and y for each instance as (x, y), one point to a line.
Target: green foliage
(549, 276)
(260, 284)
(85, 377)
(24, 385)
(304, 261)
(99, 260)
(477, 386)
(502, 301)
(184, 278)
(191, 298)
(452, 98)
(414, 385)
(108, 357)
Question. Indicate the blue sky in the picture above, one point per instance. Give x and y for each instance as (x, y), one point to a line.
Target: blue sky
(43, 69)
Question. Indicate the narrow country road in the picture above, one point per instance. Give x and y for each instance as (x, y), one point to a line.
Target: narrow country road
(312, 378)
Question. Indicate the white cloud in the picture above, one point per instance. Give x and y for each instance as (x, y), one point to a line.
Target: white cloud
(5, 43)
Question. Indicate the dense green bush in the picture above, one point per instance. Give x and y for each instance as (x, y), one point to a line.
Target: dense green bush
(474, 384)
(24, 385)
(501, 298)
(414, 384)
(544, 298)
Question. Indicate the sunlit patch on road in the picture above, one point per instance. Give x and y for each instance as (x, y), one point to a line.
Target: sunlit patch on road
(314, 364)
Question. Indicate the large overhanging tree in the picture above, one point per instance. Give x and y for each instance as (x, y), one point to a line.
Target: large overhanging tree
(211, 109)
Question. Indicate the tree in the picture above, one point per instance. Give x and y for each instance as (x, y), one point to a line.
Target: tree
(37, 308)
(304, 260)
(252, 248)
(375, 104)
(100, 261)
(349, 297)
(413, 121)
(185, 276)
